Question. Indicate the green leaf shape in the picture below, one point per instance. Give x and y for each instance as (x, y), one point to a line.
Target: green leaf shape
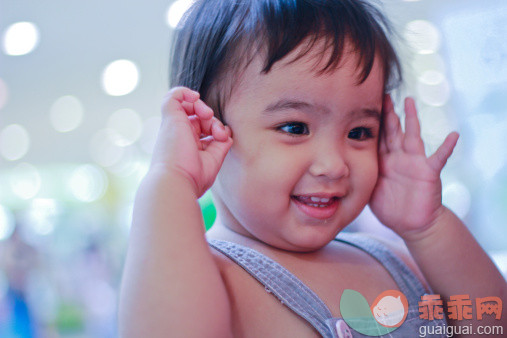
(357, 314)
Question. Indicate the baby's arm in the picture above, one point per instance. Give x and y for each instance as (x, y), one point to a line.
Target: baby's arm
(171, 286)
(455, 264)
(408, 199)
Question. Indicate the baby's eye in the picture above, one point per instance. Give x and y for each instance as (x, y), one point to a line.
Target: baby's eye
(294, 128)
(361, 133)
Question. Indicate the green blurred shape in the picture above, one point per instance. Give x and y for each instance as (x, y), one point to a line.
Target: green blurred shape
(357, 314)
(209, 212)
(70, 318)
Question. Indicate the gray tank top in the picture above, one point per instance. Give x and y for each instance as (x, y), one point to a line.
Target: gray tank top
(304, 302)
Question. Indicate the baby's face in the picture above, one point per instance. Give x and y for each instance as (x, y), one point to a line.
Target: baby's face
(297, 136)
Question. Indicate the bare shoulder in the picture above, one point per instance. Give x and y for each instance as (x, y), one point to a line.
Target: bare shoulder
(221, 260)
(254, 312)
(399, 248)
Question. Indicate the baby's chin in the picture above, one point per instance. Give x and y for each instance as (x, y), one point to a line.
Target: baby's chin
(300, 244)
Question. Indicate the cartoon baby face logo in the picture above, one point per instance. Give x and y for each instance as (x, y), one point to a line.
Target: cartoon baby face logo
(386, 314)
(390, 308)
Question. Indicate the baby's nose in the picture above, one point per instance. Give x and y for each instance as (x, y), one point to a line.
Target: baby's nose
(329, 161)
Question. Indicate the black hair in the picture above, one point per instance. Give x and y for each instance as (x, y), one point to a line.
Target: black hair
(216, 39)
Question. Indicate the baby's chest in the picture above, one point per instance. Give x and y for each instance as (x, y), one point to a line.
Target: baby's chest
(256, 312)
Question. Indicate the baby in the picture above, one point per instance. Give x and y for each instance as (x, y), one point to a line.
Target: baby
(280, 107)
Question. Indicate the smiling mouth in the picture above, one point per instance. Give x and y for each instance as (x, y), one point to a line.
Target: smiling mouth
(317, 207)
(317, 202)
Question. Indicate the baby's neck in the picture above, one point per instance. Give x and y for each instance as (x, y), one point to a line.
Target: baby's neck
(220, 231)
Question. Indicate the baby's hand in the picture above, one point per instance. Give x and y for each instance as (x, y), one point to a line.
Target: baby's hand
(408, 194)
(191, 142)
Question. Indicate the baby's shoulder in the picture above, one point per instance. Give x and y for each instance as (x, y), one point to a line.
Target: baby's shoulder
(327, 272)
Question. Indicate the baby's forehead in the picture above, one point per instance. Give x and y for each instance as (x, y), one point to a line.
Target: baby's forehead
(316, 54)
(311, 60)
(298, 69)
(296, 65)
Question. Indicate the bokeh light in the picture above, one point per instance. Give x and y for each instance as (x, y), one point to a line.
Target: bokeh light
(149, 135)
(41, 216)
(4, 93)
(432, 77)
(88, 183)
(66, 113)
(103, 151)
(456, 197)
(25, 181)
(176, 10)
(7, 223)
(435, 126)
(422, 36)
(20, 38)
(488, 152)
(424, 62)
(14, 142)
(433, 88)
(128, 165)
(126, 126)
(120, 77)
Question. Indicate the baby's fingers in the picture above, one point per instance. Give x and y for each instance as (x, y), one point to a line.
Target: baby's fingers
(205, 115)
(214, 151)
(218, 131)
(392, 132)
(438, 160)
(196, 126)
(174, 102)
(412, 142)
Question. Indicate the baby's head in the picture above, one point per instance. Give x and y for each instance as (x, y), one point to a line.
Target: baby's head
(301, 85)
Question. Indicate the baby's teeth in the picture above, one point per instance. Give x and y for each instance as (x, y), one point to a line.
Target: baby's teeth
(317, 205)
(316, 199)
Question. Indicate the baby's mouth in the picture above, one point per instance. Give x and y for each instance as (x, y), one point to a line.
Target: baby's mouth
(317, 202)
(320, 207)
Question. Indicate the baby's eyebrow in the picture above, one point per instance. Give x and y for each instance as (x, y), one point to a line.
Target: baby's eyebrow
(366, 112)
(288, 104)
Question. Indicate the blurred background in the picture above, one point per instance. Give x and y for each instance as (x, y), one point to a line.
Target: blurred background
(80, 89)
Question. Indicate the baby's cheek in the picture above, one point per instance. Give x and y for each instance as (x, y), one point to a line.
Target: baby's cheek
(369, 169)
(365, 178)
